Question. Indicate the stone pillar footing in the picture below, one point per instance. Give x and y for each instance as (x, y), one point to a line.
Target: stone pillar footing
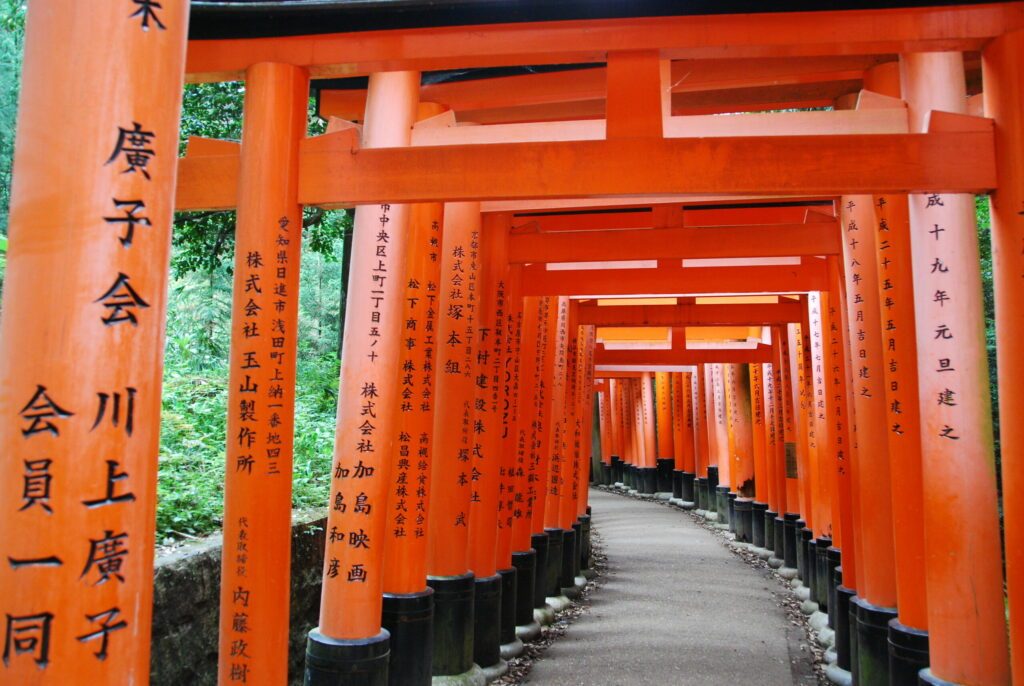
(908, 653)
(453, 623)
(360, 662)
(409, 618)
(872, 641)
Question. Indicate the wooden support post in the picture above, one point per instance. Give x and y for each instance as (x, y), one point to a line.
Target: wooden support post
(513, 454)
(83, 339)
(368, 408)
(663, 421)
(255, 587)
(408, 602)
(703, 437)
(876, 593)
(1004, 87)
(966, 614)
(823, 462)
(485, 444)
(451, 492)
(647, 433)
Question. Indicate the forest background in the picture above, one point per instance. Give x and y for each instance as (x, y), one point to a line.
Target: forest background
(192, 445)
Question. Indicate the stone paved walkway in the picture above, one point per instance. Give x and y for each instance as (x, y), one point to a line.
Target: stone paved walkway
(675, 607)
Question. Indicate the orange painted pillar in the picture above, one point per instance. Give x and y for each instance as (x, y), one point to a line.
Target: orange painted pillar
(637, 431)
(896, 296)
(772, 449)
(530, 546)
(539, 319)
(485, 459)
(683, 437)
(605, 419)
(615, 429)
(588, 338)
(786, 463)
(1004, 86)
(649, 466)
(368, 407)
(823, 461)
(513, 454)
(83, 338)
(455, 439)
(738, 399)
(255, 587)
(408, 601)
(800, 422)
(760, 434)
(875, 603)
(966, 612)
(704, 439)
(721, 427)
(571, 425)
(666, 442)
(557, 444)
(808, 434)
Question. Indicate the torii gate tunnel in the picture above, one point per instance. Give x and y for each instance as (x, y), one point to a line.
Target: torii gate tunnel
(776, 315)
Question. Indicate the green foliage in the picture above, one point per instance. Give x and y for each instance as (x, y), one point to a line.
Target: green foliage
(985, 253)
(12, 35)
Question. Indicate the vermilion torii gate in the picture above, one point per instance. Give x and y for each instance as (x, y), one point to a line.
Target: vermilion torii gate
(512, 174)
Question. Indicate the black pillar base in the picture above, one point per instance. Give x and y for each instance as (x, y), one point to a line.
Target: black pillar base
(616, 469)
(801, 551)
(872, 641)
(409, 618)
(835, 580)
(780, 538)
(908, 653)
(664, 479)
(821, 573)
(648, 480)
(790, 536)
(712, 480)
(688, 487)
(722, 503)
(540, 543)
(509, 584)
(743, 509)
(731, 509)
(525, 562)
(769, 530)
(844, 639)
(487, 621)
(629, 476)
(585, 542)
(577, 555)
(700, 487)
(552, 587)
(606, 474)
(453, 623)
(677, 484)
(567, 571)
(357, 662)
(757, 514)
(807, 570)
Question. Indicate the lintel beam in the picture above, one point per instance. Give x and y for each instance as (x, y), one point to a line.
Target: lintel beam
(683, 356)
(772, 240)
(809, 276)
(789, 34)
(335, 172)
(761, 314)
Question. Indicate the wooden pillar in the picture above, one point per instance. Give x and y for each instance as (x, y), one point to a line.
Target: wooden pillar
(772, 439)
(823, 459)
(83, 338)
(556, 446)
(739, 408)
(513, 453)
(255, 587)
(449, 571)
(787, 397)
(876, 574)
(760, 433)
(588, 340)
(721, 426)
(573, 425)
(368, 407)
(1003, 81)
(966, 615)
(532, 351)
(663, 402)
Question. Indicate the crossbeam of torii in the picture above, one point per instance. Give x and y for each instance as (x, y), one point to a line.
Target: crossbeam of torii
(730, 314)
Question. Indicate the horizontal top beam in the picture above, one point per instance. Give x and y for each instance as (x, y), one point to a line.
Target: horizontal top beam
(770, 240)
(961, 28)
(809, 276)
(762, 314)
(683, 356)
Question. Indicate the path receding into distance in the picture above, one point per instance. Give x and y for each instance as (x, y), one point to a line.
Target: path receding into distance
(675, 607)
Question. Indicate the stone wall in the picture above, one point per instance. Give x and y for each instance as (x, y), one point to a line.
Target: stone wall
(186, 599)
